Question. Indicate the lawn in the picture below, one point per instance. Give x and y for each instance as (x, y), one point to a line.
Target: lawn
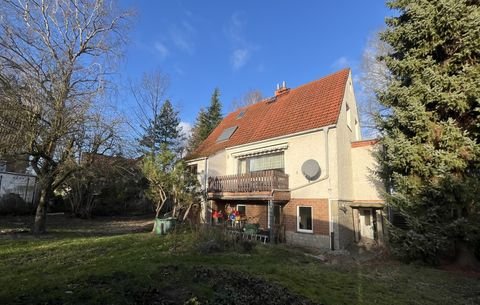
(140, 268)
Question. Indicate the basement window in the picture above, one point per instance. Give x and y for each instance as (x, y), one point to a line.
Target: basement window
(226, 134)
(304, 219)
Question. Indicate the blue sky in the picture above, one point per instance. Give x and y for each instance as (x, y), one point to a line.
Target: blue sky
(238, 46)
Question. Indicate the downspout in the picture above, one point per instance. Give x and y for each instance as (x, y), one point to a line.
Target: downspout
(206, 192)
(325, 177)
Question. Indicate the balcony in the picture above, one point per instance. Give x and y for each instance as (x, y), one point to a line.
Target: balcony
(250, 186)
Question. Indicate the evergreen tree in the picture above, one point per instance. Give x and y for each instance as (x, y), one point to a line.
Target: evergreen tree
(164, 129)
(195, 137)
(214, 114)
(430, 135)
(206, 121)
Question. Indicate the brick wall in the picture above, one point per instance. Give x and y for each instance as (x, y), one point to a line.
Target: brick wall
(257, 214)
(319, 210)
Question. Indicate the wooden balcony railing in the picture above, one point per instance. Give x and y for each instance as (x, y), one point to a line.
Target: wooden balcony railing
(262, 181)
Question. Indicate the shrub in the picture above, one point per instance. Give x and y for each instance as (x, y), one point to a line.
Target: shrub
(13, 204)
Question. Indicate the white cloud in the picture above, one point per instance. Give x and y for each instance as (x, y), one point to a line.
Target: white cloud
(186, 128)
(341, 62)
(183, 36)
(161, 49)
(240, 58)
(242, 49)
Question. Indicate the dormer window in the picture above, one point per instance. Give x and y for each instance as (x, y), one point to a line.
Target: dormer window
(226, 134)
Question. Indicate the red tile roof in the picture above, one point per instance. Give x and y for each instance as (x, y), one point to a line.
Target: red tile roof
(309, 106)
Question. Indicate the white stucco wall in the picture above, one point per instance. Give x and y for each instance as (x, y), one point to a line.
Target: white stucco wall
(346, 134)
(367, 187)
(297, 149)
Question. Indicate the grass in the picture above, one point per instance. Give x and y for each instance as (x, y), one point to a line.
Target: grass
(137, 268)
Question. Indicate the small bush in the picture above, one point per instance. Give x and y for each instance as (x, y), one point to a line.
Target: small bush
(210, 240)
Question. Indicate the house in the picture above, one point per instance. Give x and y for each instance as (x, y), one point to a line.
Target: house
(295, 164)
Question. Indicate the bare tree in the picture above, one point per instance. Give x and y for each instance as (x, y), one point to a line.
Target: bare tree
(55, 59)
(249, 98)
(149, 95)
(374, 77)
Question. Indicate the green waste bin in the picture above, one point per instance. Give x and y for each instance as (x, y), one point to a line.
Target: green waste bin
(164, 225)
(251, 228)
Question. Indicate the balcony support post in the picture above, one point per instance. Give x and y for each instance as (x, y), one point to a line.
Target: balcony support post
(270, 219)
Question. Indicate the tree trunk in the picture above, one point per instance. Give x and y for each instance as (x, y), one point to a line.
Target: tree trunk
(39, 226)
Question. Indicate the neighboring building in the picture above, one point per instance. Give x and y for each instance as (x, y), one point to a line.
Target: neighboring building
(15, 180)
(296, 165)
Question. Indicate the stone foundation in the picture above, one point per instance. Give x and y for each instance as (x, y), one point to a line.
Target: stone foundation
(308, 240)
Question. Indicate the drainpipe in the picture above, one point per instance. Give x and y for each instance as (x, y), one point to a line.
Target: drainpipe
(325, 177)
(270, 219)
(206, 192)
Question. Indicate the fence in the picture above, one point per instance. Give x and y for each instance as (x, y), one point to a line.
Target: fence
(250, 182)
(22, 185)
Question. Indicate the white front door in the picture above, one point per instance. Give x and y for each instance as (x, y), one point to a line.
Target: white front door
(366, 223)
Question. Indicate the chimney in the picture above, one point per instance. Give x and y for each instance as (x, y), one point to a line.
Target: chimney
(281, 90)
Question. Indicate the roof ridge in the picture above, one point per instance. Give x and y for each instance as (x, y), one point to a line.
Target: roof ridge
(322, 78)
(288, 115)
(267, 99)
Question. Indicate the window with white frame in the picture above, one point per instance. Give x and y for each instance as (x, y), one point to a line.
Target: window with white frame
(242, 209)
(305, 219)
(260, 163)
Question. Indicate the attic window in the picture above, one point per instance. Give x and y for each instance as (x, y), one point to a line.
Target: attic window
(226, 134)
(241, 114)
(349, 118)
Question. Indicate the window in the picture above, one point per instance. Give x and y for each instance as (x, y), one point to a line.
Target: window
(260, 163)
(304, 219)
(277, 214)
(242, 209)
(226, 134)
(193, 169)
(349, 117)
(367, 214)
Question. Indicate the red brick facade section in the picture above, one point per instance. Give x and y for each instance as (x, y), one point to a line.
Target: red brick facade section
(258, 213)
(319, 210)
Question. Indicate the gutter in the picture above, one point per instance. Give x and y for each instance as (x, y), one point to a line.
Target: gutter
(300, 133)
(206, 189)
